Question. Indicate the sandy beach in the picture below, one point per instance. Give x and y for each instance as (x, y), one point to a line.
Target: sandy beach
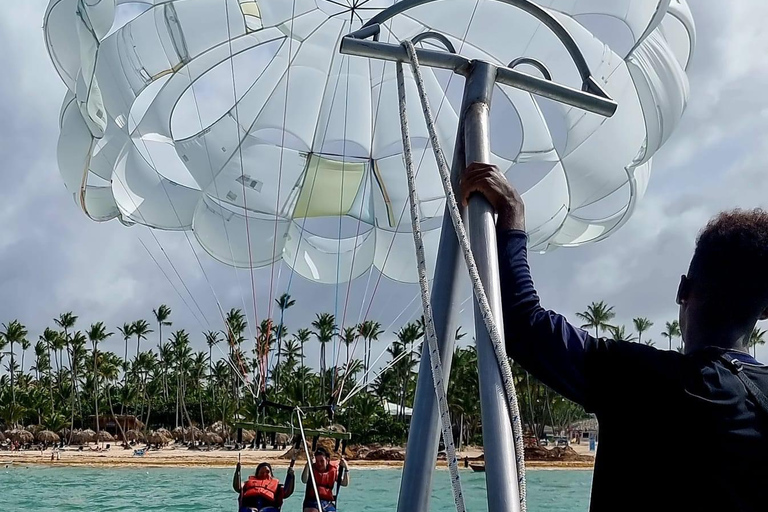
(182, 457)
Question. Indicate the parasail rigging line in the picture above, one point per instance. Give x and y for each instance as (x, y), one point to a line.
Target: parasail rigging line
(240, 156)
(359, 381)
(221, 207)
(421, 158)
(360, 385)
(282, 153)
(302, 227)
(171, 283)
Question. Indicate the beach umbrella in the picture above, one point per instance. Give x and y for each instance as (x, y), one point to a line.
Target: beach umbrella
(104, 436)
(46, 436)
(21, 436)
(248, 436)
(89, 436)
(35, 428)
(195, 432)
(178, 434)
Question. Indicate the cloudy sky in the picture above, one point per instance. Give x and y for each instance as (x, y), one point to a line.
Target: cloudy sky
(53, 259)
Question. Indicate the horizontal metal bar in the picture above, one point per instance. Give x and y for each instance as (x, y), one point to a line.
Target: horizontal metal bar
(288, 430)
(563, 94)
(460, 65)
(396, 52)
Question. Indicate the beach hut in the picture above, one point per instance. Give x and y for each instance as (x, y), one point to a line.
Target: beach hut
(48, 437)
(21, 436)
(104, 436)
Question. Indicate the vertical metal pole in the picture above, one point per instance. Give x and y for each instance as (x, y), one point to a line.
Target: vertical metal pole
(424, 434)
(498, 441)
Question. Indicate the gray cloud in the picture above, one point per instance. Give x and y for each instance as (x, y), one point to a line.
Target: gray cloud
(53, 259)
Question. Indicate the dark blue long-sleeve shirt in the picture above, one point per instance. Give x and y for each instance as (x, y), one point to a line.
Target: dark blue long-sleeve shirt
(677, 432)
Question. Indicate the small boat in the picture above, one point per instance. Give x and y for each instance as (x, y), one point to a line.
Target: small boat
(478, 468)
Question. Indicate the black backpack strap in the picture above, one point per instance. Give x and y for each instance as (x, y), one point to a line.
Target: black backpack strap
(737, 368)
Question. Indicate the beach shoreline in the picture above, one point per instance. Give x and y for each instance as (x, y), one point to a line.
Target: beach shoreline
(217, 459)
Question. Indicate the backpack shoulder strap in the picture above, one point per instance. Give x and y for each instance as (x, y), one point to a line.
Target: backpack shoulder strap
(737, 368)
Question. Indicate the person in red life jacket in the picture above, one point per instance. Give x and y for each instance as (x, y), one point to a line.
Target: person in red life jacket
(326, 473)
(262, 492)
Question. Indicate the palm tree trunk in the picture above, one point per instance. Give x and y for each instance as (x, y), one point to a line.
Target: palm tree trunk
(23, 353)
(13, 390)
(96, 386)
(114, 418)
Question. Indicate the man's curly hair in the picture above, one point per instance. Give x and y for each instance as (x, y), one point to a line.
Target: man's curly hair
(730, 263)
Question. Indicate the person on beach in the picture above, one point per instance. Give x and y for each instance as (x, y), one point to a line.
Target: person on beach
(262, 492)
(326, 474)
(706, 407)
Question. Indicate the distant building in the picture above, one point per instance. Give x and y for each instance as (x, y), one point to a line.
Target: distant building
(584, 430)
(107, 422)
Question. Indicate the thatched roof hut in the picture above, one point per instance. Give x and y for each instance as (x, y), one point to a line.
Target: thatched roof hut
(46, 436)
(104, 436)
(135, 435)
(212, 438)
(21, 436)
(35, 429)
(220, 429)
(248, 436)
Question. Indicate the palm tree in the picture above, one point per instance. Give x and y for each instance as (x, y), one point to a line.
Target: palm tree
(369, 331)
(284, 303)
(325, 330)
(619, 333)
(96, 334)
(140, 329)
(13, 332)
(162, 314)
(642, 325)
(756, 338)
(127, 331)
(672, 331)
(597, 315)
(25, 344)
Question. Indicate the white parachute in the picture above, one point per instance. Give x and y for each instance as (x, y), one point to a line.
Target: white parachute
(240, 121)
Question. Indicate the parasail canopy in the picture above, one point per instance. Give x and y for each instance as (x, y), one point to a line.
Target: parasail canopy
(240, 121)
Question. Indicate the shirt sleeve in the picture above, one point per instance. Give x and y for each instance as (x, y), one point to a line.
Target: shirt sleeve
(584, 369)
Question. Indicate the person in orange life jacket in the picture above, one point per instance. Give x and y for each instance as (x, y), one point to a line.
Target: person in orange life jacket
(326, 475)
(262, 492)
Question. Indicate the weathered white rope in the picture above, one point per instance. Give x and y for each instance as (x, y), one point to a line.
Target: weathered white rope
(299, 412)
(477, 285)
(438, 378)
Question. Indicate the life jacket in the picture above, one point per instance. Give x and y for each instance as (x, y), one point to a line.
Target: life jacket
(264, 488)
(325, 482)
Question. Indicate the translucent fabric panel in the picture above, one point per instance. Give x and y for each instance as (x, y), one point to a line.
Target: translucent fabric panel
(226, 234)
(100, 204)
(74, 147)
(639, 16)
(98, 14)
(396, 254)
(62, 40)
(329, 260)
(329, 188)
(662, 85)
(264, 179)
(147, 198)
(679, 30)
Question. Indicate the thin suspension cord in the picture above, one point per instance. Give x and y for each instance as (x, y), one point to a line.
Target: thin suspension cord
(240, 156)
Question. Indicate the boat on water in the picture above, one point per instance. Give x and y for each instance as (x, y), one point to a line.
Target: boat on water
(478, 468)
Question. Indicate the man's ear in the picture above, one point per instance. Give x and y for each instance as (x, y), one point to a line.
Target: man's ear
(684, 289)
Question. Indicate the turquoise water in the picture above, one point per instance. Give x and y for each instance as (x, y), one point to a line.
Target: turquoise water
(94, 489)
